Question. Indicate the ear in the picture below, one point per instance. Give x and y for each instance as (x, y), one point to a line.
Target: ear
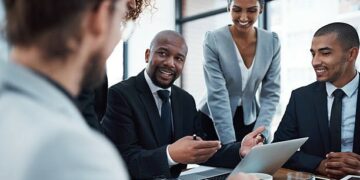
(147, 55)
(353, 53)
(99, 20)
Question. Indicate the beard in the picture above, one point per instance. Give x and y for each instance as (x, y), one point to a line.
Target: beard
(159, 83)
(94, 73)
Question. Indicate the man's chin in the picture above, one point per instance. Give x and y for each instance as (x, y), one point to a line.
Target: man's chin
(163, 85)
(321, 79)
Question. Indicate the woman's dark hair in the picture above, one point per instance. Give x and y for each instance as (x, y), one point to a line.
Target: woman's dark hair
(261, 2)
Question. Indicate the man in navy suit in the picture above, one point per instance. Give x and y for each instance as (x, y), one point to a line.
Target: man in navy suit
(314, 110)
(154, 146)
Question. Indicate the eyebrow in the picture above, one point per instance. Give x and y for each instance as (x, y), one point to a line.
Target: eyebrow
(162, 49)
(245, 8)
(181, 55)
(166, 49)
(322, 49)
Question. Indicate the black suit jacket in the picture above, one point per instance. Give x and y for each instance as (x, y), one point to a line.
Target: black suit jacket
(307, 116)
(92, 104)
(131, 122)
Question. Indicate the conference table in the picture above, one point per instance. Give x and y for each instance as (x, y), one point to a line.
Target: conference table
(282, 172)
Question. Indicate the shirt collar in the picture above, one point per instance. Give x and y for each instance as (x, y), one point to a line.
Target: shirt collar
(349, 89)
(152, 86)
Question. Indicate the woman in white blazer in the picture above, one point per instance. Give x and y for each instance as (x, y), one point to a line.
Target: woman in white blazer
(239, 60)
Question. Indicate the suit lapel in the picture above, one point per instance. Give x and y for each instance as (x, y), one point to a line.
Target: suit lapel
(321, 111)
(149, 106)
(232, 61)
(356, 144)
(176, 105)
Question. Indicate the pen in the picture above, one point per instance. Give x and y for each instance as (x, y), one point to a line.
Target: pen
(194, 136)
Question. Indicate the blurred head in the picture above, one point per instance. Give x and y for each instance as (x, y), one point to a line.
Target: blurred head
(334, 50)
(244, 13)
(60, 29)
(136, 7)
(166, 58)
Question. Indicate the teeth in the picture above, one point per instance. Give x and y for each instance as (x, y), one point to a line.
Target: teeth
(320, 70)
(166, 72)
(243, 23)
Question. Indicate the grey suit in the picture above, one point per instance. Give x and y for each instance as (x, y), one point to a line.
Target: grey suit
(43, 136)
(224, 86)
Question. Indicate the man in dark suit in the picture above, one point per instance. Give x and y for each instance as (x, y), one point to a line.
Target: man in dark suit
(328, 110)
(154, 135)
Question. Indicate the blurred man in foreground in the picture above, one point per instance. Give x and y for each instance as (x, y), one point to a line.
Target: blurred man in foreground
(58, 48)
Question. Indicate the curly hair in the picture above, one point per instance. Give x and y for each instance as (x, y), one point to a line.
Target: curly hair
(140, 6)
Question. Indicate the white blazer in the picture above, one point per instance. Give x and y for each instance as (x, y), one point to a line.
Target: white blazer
(224, 86)
(43, 136)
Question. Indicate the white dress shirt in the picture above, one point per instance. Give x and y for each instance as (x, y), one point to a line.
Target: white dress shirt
(158, 101)
(348, 111)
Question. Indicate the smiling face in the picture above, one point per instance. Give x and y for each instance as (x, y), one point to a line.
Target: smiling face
(244, 13)
(331, 60)
(166, 58)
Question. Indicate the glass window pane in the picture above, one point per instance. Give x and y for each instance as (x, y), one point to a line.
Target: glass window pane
(194, 33)
(193, 7)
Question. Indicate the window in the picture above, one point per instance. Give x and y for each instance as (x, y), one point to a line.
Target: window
(194, 33)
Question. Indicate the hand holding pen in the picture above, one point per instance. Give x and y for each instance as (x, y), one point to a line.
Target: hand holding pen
(192, 150)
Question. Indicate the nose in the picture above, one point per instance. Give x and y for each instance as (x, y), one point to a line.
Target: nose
(243, 16)
(315, 61)
(131, 4)
(170, 62)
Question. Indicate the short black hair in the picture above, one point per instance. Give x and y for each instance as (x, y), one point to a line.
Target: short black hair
(346, 34)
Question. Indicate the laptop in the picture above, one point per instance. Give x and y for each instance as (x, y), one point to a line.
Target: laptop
(267, 159)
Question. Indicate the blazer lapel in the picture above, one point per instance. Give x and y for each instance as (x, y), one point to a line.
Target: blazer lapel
(232, 60)
(177, 110)
(356, 143)
(321, 111)
(261, 59)
(149, 106)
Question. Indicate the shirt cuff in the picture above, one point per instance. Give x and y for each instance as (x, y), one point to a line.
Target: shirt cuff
(171, 162)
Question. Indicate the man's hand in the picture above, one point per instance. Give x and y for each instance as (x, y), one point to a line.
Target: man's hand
(250, 140)
(340, 164)
(189, 151)
(321, 169)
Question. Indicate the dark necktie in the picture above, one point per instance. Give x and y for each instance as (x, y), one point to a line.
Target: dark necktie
(165, 115)
(335, 121)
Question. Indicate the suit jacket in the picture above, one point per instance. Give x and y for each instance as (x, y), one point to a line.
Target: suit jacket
(92, 104)
(131, 122)
(43, 135)
(224, 83)
(307, 116)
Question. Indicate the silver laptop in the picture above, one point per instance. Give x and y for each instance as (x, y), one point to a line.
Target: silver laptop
(261, 159)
